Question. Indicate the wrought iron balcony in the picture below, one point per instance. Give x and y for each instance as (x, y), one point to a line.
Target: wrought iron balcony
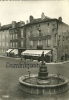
(39, 37)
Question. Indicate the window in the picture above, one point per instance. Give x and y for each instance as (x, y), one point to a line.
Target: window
(63, 42)
(39, 42)
(48, 24)
(15, 30)
(22, 43)
(54, 30)
(39, 32)
(13, 36)
(39, 25)
(0, 43)
(3, 43)
(28, 34)
(11, 44)
(31, 43)
(31, 33)
(10, 36)
(48, 30)
(3, 36)
(7, 44)
(16, 44)
(16, 36)
(21, 33)
(66, 40)
(59, 37)
(55, 38)
(54, 25)
(48, 42)
(7, 35)
(0, 36)
(63, 38)
(45, 33)
(2, 50)
(30, 27)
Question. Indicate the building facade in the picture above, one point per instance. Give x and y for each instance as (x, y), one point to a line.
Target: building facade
(48, 34)
(37, 34)
(17, 36)
(4, 38)
(63, 40)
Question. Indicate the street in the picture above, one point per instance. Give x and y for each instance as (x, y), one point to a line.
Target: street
(9, 80)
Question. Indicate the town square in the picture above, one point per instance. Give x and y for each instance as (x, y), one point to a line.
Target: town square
(10, 86)
(34, 50)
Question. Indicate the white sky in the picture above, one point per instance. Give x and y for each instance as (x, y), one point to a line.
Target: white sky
(21, 10)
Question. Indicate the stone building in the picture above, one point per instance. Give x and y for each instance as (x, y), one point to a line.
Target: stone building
(4, 38)
(48, 34)
(37, 34)
(17, 37)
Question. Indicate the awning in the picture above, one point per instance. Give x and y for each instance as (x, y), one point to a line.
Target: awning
(9, 50)
(15, 51)
(35, 52)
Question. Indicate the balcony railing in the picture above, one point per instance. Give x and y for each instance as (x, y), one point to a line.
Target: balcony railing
(39, 37)
(39, 47)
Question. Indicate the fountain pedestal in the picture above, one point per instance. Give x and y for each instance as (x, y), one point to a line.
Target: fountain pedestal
(43, 74)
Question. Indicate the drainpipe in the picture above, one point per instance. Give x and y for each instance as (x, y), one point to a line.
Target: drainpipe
(57, 40)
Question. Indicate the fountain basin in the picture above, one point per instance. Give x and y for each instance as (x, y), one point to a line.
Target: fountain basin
(30, 85)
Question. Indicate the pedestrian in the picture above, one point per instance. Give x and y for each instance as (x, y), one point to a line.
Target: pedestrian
(21, 57)
(42, 57)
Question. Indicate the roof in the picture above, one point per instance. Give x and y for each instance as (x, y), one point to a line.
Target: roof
(6, 26)
(39, 20)
(18, 25)
(46, 19)
(34, 21)
(9, 26)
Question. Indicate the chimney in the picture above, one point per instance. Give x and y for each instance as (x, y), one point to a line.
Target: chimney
(22, 23)
(42, 16)
(13, 24)
(0, 25)
(26, 21)
(31, 18)
(60, 19)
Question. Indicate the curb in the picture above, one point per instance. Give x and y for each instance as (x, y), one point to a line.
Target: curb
(10, 57)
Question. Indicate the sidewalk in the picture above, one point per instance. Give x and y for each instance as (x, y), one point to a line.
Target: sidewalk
(59, 62)
(10, 57)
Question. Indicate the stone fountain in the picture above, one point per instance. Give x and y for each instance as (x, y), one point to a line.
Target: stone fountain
(43, 83)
